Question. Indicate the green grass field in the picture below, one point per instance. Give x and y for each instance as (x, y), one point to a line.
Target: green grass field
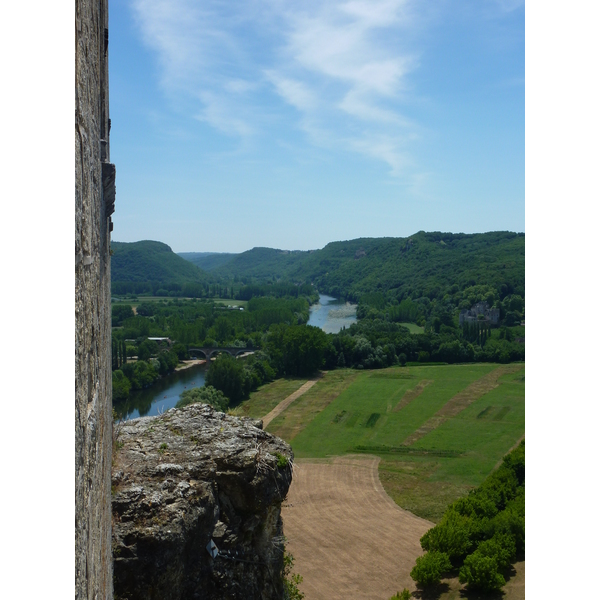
(267, 397)
(165, 299)
(413, 327)
(353, 411)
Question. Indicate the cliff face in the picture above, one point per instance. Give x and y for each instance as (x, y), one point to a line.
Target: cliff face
(94, 202)
(188, 477)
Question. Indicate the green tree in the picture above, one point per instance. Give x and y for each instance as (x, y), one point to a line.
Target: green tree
(120, 386)
(120, 312)
(143, 352)
(207, 395)
(297, 350)
(481, 572)
(429, 568)
(227, 374)
(181, 351)
(450, 536)
(502, 547)
(423, 356)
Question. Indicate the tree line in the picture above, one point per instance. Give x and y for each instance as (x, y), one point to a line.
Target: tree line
(480, 535)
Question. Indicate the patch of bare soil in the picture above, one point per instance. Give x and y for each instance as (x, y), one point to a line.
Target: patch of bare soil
(349, 539)
(287, 401)
(460, 401)
(410, 395)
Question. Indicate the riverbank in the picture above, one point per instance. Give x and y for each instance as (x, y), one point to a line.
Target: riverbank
(186, 364)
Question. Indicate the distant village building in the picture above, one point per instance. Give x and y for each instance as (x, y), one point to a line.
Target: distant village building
(479, 312)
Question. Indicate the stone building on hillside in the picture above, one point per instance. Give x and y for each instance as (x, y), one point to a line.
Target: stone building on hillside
(94, 203)
(479, 312)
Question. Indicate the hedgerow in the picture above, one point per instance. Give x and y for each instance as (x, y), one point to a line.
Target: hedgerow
(482, 534)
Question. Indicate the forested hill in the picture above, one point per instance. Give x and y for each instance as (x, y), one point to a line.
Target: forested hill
(147, 266)
(422, 265)
(264, 263)
(207, 261)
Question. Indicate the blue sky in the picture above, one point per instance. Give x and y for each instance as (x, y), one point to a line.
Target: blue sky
(292, 124)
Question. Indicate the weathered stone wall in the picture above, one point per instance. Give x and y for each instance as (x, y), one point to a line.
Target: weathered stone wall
(188, 477)
(94, 201)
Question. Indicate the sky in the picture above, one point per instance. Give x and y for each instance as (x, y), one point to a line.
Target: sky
(293, 124)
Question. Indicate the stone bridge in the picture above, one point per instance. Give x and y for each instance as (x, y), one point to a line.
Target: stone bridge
(209, 352)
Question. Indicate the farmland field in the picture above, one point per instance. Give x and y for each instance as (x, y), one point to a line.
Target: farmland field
(417, 437)
(439, 430)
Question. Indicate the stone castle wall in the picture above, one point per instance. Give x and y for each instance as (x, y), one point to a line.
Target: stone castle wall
(94, 201)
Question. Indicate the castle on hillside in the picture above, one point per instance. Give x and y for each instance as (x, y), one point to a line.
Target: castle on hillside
(479, 312)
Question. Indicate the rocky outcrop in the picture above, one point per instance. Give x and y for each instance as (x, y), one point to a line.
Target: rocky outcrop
(186, 482)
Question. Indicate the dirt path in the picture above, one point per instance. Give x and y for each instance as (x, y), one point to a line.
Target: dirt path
(411, 395)
(349, 539)
(460, 401)
(285, 403)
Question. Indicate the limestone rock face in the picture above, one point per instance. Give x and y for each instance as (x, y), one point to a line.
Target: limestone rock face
(188, 477)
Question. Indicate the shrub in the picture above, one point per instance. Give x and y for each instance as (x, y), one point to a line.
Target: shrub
(282, 460)
(429, 568)
(291, 581)
(481, 572)
(403, 595)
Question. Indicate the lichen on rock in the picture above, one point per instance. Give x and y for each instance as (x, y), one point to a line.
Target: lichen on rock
(187, 477)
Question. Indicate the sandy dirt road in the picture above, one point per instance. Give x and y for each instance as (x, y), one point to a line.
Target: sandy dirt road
(348, 538)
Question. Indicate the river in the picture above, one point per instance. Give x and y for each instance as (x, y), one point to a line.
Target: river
(331, 314)
(162, 396)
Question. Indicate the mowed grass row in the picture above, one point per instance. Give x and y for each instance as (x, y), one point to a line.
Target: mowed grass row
(302, 412)
(349, 411)
(342, 425)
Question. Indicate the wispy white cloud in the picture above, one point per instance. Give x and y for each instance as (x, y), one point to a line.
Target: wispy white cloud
(508, 5)
(342, 64)
(294, 92)
(220, 113)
